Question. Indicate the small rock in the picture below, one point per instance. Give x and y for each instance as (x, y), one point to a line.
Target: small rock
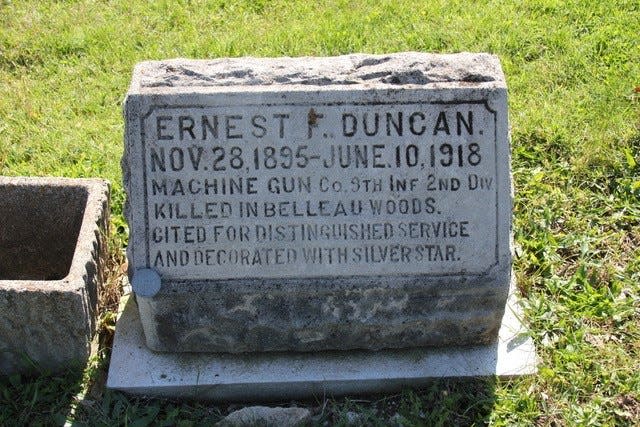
(397, 420)
(264, 416)
(353, 418)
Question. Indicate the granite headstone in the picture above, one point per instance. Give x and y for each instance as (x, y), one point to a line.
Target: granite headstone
(303, 204)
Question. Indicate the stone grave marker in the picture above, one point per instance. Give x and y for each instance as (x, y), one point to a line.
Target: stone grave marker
(314, 204)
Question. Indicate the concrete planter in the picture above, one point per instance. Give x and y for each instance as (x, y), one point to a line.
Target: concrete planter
(52, 260)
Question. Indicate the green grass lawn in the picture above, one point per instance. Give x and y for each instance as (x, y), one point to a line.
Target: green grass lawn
(573, 70)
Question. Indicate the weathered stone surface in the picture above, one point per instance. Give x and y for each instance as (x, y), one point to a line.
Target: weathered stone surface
(395, 69)
(265, 416)
(309, 204)
(52, 255)
(281, 376)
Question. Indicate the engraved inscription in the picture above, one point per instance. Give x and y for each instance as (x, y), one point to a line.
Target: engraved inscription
(329, 190)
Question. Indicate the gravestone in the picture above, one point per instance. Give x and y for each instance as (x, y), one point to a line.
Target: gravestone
(281, 207)
(319, 203)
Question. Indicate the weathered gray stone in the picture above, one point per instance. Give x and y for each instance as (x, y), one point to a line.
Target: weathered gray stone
(353, 418)
(395, 69)
(52, 255)
(264, 416)
(280, 376)
(242, 173)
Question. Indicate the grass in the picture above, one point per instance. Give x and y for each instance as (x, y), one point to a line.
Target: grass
(573, 69)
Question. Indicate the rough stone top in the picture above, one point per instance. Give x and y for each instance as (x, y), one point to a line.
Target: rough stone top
(391, 70)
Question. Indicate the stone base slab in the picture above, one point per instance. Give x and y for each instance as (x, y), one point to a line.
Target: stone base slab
(272, 376)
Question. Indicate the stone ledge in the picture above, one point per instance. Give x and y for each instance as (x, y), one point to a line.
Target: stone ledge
(272, 376)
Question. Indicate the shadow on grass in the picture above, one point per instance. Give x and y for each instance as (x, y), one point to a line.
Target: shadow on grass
(42, 399)
(460, 402)
(443, 402)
